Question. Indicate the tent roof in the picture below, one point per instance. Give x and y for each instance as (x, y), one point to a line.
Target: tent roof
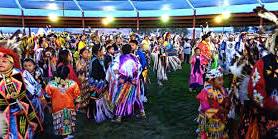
(127, 8)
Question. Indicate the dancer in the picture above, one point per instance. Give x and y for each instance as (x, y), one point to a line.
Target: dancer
(64, 94)
(109, 56)
(146, 48)
(82, 70)
(18, 116)
(173, 61)
(118, 44)
(98, 105)
(48, 62)
(37, 72)
(263, 90)
(213, 107)
(146, 44)
(144, 74)
(160, 61)
(229, 51)
(204, 46)
(197, 70)
(65, 59)
(34, 88)
(241, 42)
(128, 68)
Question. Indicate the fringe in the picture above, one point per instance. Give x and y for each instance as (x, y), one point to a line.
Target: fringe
(174, 63)
(3, 125)
(102, 111)
(38, 108)
(213, 128)
(125, 99)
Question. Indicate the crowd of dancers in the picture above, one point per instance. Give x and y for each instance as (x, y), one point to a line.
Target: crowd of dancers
(104, 76)
(247, 108)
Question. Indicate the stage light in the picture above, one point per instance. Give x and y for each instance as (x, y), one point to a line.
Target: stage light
(52, 6)
(104, 21)
(218, 19)
(109, 8)
(165, 18)
(166, 7)
(53, 17)
(107, 20)
(226, 14)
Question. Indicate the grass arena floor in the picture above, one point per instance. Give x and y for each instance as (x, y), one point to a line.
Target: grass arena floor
(171, 110)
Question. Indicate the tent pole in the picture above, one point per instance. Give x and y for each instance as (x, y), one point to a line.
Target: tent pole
(261, 20)
(23, 22)
(138, 24)
(83, 22)
(194, 24)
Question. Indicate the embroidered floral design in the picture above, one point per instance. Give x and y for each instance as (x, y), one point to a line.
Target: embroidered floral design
(63, 85)
(258, 97)
(256, 77)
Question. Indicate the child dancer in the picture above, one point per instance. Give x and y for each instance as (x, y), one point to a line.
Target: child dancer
(37, 72)
(64, 93)
(197, 71)
(109, 56)
(35, 89)
(213, 107)
(82, 70)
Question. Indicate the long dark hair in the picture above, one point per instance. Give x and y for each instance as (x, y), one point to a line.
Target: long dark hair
(126, 49)
(63, 57)
(63, 72)
(32, 61)
(96, 48)
(159, 37)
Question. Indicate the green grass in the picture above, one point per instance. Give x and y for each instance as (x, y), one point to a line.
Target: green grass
(170, 110)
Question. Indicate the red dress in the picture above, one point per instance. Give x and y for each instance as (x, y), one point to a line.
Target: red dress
(263, 90)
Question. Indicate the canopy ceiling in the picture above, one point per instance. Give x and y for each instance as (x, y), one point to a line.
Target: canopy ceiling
(127, 8)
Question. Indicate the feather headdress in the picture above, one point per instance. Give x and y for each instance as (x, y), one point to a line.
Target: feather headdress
(273, 40)
(263, 13)
(11, 48)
